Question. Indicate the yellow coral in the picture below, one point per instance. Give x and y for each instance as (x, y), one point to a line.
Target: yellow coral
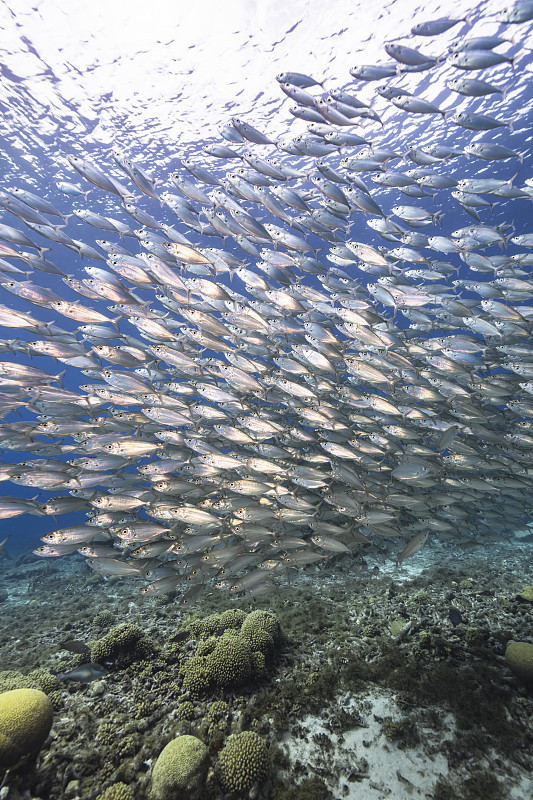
(26, 718)
(230, 662)
(519, 658)
(262, 630)
(118, 791)
(180, 770)
(243, 761)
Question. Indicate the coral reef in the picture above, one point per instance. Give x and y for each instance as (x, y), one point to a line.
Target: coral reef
(103, 619)
(231, 658)
(519, 658)
(442, 672)
(179, 772)
(119, 791)
(122, 645)
(36, 679)
(242, 762)
(26, 716)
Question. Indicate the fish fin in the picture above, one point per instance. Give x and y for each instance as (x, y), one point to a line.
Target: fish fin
(3, 551)
(60, 375)
(506, 89)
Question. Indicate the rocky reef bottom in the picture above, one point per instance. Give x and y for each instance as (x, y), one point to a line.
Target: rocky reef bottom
(359, 681)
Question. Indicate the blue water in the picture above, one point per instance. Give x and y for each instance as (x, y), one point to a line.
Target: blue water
(160, 97)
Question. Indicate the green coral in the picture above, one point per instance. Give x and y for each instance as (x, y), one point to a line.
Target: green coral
(232, 618)
(36, 679)
(230, 663)
(127, 746)
(519, 658)
(211, 624)
(217, 710)
(119, 791)
(185, 710)
(526, 594)
(218, 718)
(231, 658)
(262, 630)
(56, 700)
(196, 627)
(242, 762)
(43, 680)
(217, 623)
(103, 619)
(144, 708)
(258, 661)
(143, 669)
(123, 645)
(195, 678)
(180, 771)
(206, 646)
(106, 734)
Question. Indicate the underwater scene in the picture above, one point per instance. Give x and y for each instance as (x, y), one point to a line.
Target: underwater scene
(266, 400)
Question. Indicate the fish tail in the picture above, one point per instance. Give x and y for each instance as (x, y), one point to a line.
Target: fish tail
(506, 89)
(60, 376)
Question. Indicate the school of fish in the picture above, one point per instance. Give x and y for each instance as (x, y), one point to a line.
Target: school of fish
(290, 393)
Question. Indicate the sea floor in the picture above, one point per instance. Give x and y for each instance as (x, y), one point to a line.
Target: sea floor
(390, 683)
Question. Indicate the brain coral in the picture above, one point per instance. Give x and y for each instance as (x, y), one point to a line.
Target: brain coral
(519, 657)
(179, 772)
(26, 716)
(242, 761)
